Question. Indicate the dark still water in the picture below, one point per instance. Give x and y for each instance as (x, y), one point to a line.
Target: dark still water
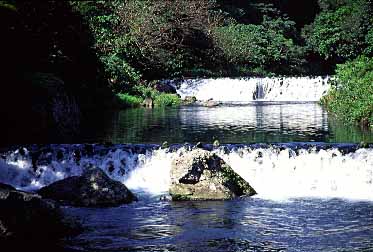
(242, 225)
(253, 123)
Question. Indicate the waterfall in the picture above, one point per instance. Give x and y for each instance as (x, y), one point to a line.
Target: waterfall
(276, 172)
(304, 89)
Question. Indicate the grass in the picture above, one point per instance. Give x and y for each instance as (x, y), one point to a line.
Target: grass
(131, 101)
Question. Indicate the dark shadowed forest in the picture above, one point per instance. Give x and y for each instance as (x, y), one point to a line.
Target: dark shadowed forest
(62, 59)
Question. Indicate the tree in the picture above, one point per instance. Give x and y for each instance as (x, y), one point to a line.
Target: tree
(261, 48)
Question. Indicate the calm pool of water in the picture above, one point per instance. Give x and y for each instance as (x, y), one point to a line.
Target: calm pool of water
(241, 225)
(257, 122)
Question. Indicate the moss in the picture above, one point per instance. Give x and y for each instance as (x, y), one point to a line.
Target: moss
(231, 177)
(180, 197)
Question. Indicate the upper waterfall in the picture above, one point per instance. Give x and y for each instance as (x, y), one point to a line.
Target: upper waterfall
(301, 89)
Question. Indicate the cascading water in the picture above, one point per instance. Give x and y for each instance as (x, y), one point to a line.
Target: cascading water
(276, 172)
(302, 89)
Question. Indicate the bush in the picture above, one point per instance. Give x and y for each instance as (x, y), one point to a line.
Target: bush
(163, 100)
(352, 97)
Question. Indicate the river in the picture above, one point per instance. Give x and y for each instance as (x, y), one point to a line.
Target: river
(314, 179)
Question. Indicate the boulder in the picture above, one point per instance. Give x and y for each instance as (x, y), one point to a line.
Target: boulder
(93, 189)
(202, 175)
(26, 216)
(6, 187)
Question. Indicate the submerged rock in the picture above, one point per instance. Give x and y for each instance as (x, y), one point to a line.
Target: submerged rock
(210, 103)
(202, 175)
(93, 189)
(26, 216)
(189, 100)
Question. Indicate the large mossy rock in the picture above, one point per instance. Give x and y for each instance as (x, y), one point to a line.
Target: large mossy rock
(202, 175)
(93, 189)
(27, 217)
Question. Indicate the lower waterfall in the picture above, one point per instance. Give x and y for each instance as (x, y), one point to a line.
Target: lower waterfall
(275, 171)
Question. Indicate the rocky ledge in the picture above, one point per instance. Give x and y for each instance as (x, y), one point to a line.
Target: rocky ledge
(202, 175)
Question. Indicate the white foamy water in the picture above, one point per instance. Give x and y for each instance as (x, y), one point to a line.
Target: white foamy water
(276, 174)
(301, 89)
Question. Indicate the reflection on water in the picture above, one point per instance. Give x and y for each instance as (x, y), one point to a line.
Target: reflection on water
(256, 122)
(241, 225)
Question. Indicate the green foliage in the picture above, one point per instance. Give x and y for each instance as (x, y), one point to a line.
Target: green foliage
(257, 47)
(338, 32)
(8, 5)
(127, 100)
(165, 100)
(160, 99)
(352, 98)
(369, 41)
(114, 49)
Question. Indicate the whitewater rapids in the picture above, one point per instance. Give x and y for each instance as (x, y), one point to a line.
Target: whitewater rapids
(276, 172)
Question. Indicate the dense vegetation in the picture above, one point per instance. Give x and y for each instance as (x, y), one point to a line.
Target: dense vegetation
(111, 53)
(342, 33)
(352, 96)
(141, 40)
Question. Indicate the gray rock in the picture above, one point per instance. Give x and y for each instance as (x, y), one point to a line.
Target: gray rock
(202, 175)
(148, 102)
(93, 189)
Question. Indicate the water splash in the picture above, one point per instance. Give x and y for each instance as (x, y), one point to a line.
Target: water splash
(275, 172)
(300, 89)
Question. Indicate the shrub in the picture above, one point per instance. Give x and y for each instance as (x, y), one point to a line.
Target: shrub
(163, 100)
(352, 98)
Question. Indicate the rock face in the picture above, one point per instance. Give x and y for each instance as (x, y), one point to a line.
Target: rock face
(202, 175)
(93, 189)
(26, 216)
(54, 106)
